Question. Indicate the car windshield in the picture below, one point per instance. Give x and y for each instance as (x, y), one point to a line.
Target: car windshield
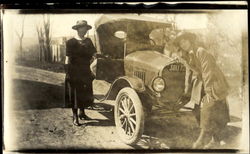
(139, 40)
(138, 31)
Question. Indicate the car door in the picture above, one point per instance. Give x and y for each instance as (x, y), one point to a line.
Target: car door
(108, 68)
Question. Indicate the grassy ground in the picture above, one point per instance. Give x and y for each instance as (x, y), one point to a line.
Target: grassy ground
(54, 67)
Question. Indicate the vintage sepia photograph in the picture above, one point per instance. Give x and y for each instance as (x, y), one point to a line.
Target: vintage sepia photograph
(125, 81)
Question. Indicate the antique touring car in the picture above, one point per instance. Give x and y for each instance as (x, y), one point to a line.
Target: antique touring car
(141, 75)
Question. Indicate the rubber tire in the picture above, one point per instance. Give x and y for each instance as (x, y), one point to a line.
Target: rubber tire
(131, 93)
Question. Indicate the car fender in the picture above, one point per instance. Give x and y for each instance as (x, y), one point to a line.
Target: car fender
(124, 81)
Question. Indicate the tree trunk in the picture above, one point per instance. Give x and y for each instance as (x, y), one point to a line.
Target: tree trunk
(21, 49)
(40, 51)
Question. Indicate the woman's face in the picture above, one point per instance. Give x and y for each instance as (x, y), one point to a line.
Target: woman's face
(183, 55)
(185, 45)
(184, 48)
(82, 31)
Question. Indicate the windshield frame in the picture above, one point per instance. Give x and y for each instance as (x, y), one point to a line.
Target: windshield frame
(139, 25)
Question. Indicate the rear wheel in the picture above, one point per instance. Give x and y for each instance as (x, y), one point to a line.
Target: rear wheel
(129, 116)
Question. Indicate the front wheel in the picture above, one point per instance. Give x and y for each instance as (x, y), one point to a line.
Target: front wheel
(129, 116)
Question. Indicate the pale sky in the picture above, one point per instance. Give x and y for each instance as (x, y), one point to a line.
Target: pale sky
(62, 23)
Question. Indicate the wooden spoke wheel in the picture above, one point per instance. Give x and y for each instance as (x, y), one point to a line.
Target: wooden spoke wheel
(129, 116)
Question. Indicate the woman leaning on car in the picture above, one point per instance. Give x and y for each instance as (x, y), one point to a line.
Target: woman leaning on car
(214, 114)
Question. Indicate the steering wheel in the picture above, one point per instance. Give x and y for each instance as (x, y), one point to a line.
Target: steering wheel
(152, 41)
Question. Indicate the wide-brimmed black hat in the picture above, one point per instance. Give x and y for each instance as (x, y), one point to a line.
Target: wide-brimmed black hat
(81, 23)
(184, 35)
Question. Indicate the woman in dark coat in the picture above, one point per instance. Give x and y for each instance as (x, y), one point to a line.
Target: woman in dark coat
(214, 114)
(79, 53)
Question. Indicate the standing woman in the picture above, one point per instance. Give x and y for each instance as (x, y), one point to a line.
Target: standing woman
(214, 114)
(79, 53)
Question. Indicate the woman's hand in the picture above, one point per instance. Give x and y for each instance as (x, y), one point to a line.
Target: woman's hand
(183, 100)
(67, 60)
(93, 66)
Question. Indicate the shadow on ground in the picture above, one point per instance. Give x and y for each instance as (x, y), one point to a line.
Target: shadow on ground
(170, 131)
(108, 112)
(36, 95)
(99, 123)
(29, 94)
(180, 132)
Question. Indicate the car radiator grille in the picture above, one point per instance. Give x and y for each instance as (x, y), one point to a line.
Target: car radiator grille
(140, 75)
(175, 84)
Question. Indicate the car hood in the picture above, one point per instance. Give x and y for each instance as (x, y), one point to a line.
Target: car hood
(150, 59)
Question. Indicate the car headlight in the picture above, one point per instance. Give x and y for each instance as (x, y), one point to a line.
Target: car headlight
(158, 84)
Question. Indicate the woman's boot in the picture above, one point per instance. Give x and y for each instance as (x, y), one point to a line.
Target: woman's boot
(83, 116)
(202, 140)
(213, 144)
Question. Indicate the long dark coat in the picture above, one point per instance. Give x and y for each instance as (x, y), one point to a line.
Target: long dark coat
(80, 78)
(214, 113)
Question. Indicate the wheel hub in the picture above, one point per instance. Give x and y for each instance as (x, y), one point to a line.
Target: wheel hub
(127, 114)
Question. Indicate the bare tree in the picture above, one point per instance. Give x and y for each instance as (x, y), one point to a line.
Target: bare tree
(172, 20)
(167, 31)
(44, 38)
(40, 35)
(47, 38)
(20, 37)
(219, 37)
(226, 46)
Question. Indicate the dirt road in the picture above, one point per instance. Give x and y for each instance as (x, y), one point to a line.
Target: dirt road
(39, 120)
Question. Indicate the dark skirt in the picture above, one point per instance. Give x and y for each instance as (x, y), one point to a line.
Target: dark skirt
(214, 115)
(78, 94)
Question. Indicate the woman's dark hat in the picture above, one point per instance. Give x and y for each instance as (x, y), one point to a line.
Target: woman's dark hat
(184, 35)
(81, 23)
